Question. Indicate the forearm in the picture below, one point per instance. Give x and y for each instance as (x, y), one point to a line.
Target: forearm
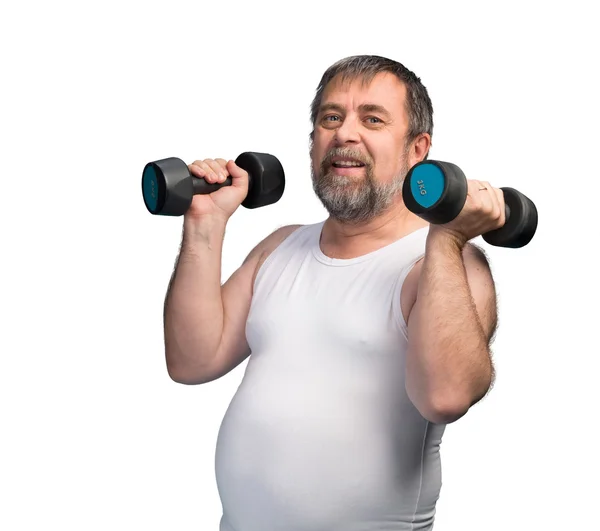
(193, 314)
(448, 366)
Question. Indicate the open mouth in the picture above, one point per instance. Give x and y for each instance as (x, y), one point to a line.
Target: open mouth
(347, 163)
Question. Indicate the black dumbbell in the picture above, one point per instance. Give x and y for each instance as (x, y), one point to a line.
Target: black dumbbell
(168, 187)
(437, 191)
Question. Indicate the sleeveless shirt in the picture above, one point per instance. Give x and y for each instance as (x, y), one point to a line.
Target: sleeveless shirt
(320, 434)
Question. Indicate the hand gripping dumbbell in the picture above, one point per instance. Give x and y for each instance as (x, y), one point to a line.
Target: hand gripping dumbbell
(437, 191)
(168, 187)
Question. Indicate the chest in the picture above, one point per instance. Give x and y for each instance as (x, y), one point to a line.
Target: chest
(348, 316)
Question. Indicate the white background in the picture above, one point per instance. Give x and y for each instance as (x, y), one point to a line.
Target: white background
(94, 434)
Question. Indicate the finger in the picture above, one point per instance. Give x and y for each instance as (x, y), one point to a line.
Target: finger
(220, 172)
(200, 168)
(474, 187)
(491, 193)
(476, 190)
(197, 169)
(482, 186)
(495, 204)
(222, 162)
(502, 206)
(485, 194)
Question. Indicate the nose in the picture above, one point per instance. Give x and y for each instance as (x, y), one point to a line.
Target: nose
(348, 131)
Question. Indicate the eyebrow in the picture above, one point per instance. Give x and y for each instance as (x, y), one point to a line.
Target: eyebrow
(365, 107)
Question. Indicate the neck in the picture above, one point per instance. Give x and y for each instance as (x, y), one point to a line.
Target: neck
(347, 240)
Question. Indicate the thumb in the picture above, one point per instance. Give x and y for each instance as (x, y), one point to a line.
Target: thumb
(239, 176)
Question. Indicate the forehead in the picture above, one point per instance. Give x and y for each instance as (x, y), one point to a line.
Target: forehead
(383, 89)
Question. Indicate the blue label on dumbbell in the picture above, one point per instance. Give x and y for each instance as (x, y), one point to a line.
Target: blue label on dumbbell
(427, 184)
(150, 187)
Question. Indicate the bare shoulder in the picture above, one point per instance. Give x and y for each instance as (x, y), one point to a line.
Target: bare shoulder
(270, 243)
(273, 240)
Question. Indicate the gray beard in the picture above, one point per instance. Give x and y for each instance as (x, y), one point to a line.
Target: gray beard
(351, 200)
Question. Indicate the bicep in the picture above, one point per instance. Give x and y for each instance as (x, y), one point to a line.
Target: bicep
(482, 287)
(237, 296)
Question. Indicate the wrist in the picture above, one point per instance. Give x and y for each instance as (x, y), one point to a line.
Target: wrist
(441, 237)
(209, 229)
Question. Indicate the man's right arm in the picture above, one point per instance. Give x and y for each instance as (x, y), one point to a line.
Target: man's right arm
(204, 321)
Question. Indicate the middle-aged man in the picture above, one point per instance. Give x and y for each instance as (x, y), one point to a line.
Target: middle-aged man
(367, 333)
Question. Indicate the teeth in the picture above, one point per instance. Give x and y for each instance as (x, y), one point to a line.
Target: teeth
(347, 164)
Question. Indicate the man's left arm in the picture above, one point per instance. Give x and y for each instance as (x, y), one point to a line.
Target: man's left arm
(450, 327)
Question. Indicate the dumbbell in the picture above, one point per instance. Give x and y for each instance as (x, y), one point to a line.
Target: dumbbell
(437, 191)
(168, 187)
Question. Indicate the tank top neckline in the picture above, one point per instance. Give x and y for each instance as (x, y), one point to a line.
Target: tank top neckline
(342, 262)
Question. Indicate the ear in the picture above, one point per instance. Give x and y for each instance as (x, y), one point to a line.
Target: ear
(419, 149)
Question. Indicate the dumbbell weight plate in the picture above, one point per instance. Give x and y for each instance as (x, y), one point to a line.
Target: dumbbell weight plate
(267, 189)
(153, 189)
(436, 191)
(521, 221)
(170, 174)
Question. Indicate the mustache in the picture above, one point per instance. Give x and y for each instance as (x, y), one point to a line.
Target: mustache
(346, 152)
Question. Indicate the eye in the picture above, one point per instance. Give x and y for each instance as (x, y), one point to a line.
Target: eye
(374, 120)
(330, 118)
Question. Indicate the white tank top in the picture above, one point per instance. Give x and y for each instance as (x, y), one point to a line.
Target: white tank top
(320, 435)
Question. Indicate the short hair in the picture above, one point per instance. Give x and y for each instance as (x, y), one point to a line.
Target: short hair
(418, 103)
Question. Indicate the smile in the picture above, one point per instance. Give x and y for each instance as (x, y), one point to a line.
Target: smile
(347, 164)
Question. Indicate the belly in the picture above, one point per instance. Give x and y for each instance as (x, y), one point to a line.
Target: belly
(309, 452)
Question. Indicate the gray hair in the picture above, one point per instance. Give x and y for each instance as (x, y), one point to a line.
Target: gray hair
(419, 107)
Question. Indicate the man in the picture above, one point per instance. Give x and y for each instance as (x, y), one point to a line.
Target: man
(369, 331)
